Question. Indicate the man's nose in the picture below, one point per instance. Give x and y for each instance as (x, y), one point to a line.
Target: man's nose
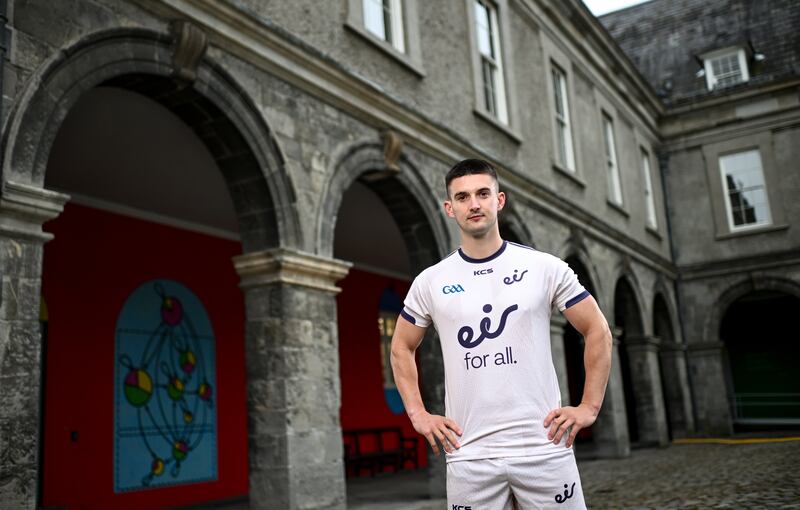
(474, 203)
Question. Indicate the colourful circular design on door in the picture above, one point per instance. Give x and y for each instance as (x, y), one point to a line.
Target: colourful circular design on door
(165, 414)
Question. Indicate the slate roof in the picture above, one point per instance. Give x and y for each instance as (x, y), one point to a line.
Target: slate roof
(664, 38)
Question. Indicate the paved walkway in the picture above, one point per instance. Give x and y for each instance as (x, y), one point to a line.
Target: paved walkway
(740, 476)
(690, 476)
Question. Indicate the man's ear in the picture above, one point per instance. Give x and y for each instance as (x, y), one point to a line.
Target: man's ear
(448, 208)
(501, 200)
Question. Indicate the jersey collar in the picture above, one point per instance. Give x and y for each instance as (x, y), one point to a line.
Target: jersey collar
(487, 259)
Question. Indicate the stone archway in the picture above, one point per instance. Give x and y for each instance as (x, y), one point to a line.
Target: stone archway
(759, 354)
(574, 347)
(674, 372)
(513, 229)
(573, 341)
(221, 114)
(214, 105)
(405, 192)
(638, 355)
(417, 215)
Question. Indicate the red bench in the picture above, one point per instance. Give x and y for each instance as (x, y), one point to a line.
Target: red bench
(375, 450)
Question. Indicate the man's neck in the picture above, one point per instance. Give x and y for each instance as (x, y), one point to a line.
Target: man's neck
(481, 247)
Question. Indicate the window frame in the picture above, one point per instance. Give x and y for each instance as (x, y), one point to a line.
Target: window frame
(613, 177)
(411, 56)
(497, 105)
(764, 142)
(562, 124)
(505, 55)
(732, 227)
(708, 65)
(395, 34)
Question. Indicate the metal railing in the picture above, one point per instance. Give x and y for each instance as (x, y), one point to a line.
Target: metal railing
(766, 408)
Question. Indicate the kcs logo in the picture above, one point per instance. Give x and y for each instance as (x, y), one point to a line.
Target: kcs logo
(461, 507)
(482, 271)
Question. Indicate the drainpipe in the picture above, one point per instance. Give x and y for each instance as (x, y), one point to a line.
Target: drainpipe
(663, 160)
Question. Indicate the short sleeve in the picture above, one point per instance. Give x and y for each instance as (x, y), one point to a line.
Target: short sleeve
(568, 290)
(416, 309)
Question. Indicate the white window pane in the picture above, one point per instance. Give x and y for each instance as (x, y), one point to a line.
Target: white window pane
(743, 179)
(762, 213)
(564, 150)
(726, 69)
(396, 21)
(374, 18)
(489, 87)
(483, 29)
(559, 104)
(562, 143)
(499, 79)
(650, 203)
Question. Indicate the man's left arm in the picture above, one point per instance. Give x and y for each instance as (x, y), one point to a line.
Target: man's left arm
(587, 318)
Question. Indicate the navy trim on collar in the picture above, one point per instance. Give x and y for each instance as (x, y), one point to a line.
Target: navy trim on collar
(487, 259)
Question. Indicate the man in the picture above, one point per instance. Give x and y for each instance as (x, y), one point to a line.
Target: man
(507, 438)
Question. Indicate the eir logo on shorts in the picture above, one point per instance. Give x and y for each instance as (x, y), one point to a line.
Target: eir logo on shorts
(568, 491)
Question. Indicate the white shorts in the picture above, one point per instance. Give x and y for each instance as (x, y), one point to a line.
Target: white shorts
(522, 483)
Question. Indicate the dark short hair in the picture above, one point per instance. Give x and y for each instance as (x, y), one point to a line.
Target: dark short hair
(469, 167)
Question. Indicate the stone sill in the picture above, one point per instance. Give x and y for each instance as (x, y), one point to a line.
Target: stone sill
(571, 175)
(388, 49)
(515, 137)
(617, 207)
(653, 232)
(751, 231)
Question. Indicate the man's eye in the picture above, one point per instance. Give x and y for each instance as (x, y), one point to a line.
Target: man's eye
(484, 194)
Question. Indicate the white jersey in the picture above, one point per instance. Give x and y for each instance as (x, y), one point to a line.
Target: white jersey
(493, 320)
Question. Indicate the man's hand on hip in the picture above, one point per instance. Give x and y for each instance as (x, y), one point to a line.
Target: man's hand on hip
(571, 419)
(435, 427)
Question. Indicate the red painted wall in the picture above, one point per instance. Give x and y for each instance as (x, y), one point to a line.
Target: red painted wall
(363, 401)
(95, 261)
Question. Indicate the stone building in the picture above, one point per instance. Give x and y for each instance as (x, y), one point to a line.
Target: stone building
(267, 178)
(727, 73)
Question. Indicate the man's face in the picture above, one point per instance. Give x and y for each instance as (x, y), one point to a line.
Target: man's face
(474, 202)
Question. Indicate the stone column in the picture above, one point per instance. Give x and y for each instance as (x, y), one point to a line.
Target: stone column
(557, 324)
(707, 373)
(433, 390)
(610, 431)
(23, 210)
(646, 379)
(677, 392)
(294, 392)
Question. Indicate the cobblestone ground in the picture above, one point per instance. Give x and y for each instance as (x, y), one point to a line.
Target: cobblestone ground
(739, 476)
(696, 476)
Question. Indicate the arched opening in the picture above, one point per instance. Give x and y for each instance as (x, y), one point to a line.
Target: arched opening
(762, 353)
(670, 380)
(382, 229)
(145, 313)
(627, 319)
(573, 349)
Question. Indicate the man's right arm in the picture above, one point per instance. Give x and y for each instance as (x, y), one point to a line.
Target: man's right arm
(405, 341)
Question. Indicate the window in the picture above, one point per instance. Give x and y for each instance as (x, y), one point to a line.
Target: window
(649, 199)
(565, 156)
(614, 184)
(384, 19)
(746, 195)
(491, 65)
(725, 68)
